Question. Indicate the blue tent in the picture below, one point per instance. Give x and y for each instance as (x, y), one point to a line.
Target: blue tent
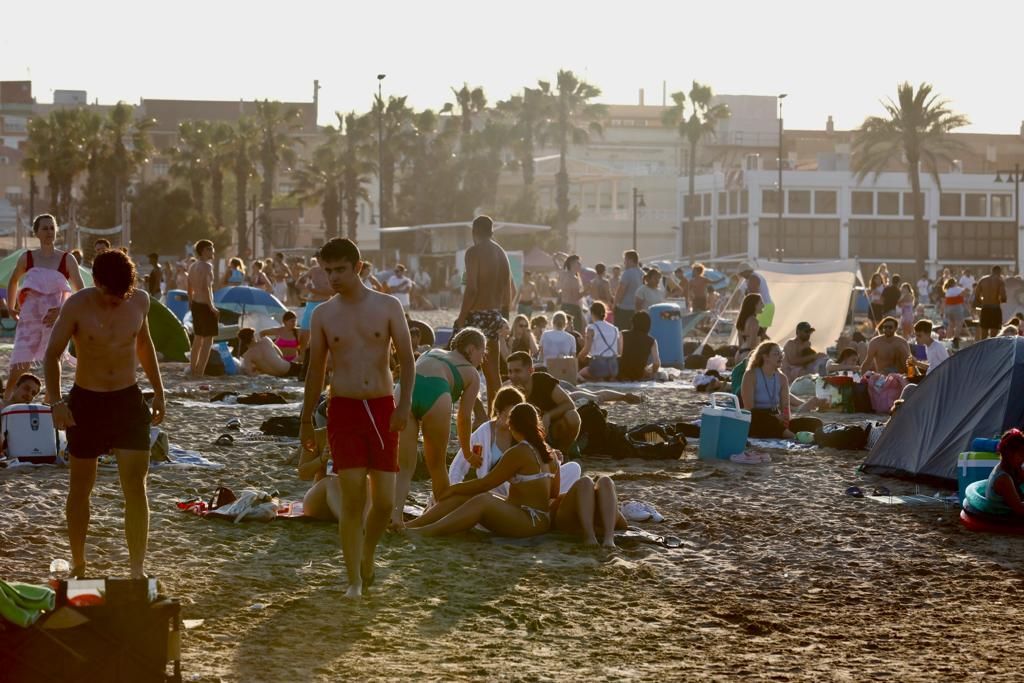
(976, 393)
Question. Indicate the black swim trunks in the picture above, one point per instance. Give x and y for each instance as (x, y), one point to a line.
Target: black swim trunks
(204, 322)
(105, 420)
(489, 322)
(991, 317)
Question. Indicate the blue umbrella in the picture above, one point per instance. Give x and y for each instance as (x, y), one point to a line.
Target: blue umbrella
(248, 300)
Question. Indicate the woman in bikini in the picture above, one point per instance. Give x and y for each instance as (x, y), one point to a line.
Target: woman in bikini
(442, 379)
(530, 468)
(46, 277)
(234, 275)
(747, 328)
(286, 337)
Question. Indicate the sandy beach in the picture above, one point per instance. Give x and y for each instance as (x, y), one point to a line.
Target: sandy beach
(780, 575)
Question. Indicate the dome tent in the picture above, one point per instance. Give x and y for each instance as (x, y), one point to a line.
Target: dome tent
(976, 393)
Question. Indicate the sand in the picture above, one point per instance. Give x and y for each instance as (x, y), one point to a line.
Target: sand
(780, 575)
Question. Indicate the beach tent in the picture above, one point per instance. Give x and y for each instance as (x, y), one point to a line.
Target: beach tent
(976, 393)
(818, 293)
(169, 337)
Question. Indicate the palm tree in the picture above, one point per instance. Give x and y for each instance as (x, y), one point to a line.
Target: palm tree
(221, 158)
(700, 122)
(127, 140)
(397, 127)
(356, 154)
(914, 130)
(572, 106)
(318, 180)
(277, 125)
(529, 113)
(58, 146)
(190, 159)
(241, 147)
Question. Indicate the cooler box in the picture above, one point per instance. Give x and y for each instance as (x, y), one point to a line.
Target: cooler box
(29, 434)
(974, 466)
(667, 330)
(984, 445)
(723, 428)
(177, 302)
(442, 336)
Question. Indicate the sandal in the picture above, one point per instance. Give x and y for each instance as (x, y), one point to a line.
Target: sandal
(225, 440)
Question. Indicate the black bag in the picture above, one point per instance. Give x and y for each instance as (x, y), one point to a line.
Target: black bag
(861, 399)
(215, 366)
(281, 425)
(846, 437)
(262, 398)
(593, 427)
(655, 442)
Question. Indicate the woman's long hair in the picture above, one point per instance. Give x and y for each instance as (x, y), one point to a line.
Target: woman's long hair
(747, 309)
(762, 350)
(506, 397)
(525, 420)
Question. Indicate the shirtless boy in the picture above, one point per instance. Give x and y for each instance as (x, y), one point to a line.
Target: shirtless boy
(887, 353)
(105, 411)
(990, 293)
(488, 296)
(357, 327)
(200, 302)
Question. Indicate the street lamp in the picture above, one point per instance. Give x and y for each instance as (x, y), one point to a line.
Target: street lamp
(1015, 176)
(380, 148)
(638, 203)
(780, 195)
(253, 207)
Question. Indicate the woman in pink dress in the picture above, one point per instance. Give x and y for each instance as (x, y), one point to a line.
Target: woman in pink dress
(46, 277)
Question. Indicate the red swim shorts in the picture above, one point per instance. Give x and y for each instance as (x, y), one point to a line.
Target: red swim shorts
(357, 432)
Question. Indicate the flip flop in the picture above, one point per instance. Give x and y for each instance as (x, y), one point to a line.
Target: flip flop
(225, 440)
(855, 492)
(234, 424)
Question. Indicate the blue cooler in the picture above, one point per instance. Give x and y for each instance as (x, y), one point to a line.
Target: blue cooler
(442, 336)
(177, 302)
(667, 330)
(974, 466)
(723, 428)
(983, 445)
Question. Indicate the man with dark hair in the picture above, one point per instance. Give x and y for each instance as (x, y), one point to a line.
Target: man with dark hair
(105, 411)
(488, 296)
(630, 282)
(888, 352)
(99, 246)
(357, 326)
(561, 420)
(600, 289)
(155, 277)
(527, 295)
(205, 315)
(935, 351)
(990, 294)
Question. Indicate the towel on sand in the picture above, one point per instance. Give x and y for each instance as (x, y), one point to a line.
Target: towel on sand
(22, 603)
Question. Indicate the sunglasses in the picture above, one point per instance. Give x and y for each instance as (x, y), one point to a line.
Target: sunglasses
(888, 328)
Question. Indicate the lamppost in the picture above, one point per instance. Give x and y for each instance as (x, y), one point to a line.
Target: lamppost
(638, 203)
(253, 207)
(380, 148)
(1016, 176)
(780, 196)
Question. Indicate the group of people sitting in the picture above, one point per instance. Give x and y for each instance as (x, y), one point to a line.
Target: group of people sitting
(516, 454)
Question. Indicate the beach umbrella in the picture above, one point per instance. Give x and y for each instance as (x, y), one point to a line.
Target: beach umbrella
(244, 300)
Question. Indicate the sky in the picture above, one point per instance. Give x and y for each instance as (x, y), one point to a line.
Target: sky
(830, 57)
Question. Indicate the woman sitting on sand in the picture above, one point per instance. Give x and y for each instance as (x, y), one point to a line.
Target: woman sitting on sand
(1002, 491)
(521, 339)
(262, 357)
(323, 499)
(442, 379)
(286, 337)
(489, 441)
(531, 470)
(639, 360)
(765, 393)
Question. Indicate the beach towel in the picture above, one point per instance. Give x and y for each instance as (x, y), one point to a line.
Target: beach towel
(22, 604)
(781, 445)
(41, 290)
(249, 437)
(248, 505)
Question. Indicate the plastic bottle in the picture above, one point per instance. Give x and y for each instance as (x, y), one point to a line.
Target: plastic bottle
(911, 369)
(60, 570)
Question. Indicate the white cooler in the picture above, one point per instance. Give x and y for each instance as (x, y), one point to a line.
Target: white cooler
(29, 434)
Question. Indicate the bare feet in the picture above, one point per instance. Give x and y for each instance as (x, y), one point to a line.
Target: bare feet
(78, 571)
(368, 573)
(354, 592)
(633, 399)
(609, 542)
(590, 540)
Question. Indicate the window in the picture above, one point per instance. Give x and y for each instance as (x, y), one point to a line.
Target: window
(962, 240)
(769, 201)
(1002, 206)
(975, 205)
(863, 203)
(744, 202)
(732, 236)
(734, 202)
(802, 238)
(825, 202)
(889, 203)
(799, 201)
(950, 204)
(723, 203)
(882, 239)
(707, 204)
(692, 204)
(908, 203)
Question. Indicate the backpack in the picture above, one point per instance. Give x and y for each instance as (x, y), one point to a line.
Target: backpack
(648, 441)
(593, 427)
(281, 425)
(843, 436)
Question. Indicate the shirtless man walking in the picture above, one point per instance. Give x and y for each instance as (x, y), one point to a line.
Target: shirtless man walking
(316, 289)
(990, 292)
(488, 296)
(887, 353)
(200, 302)
(105, 411)
(357, 327)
